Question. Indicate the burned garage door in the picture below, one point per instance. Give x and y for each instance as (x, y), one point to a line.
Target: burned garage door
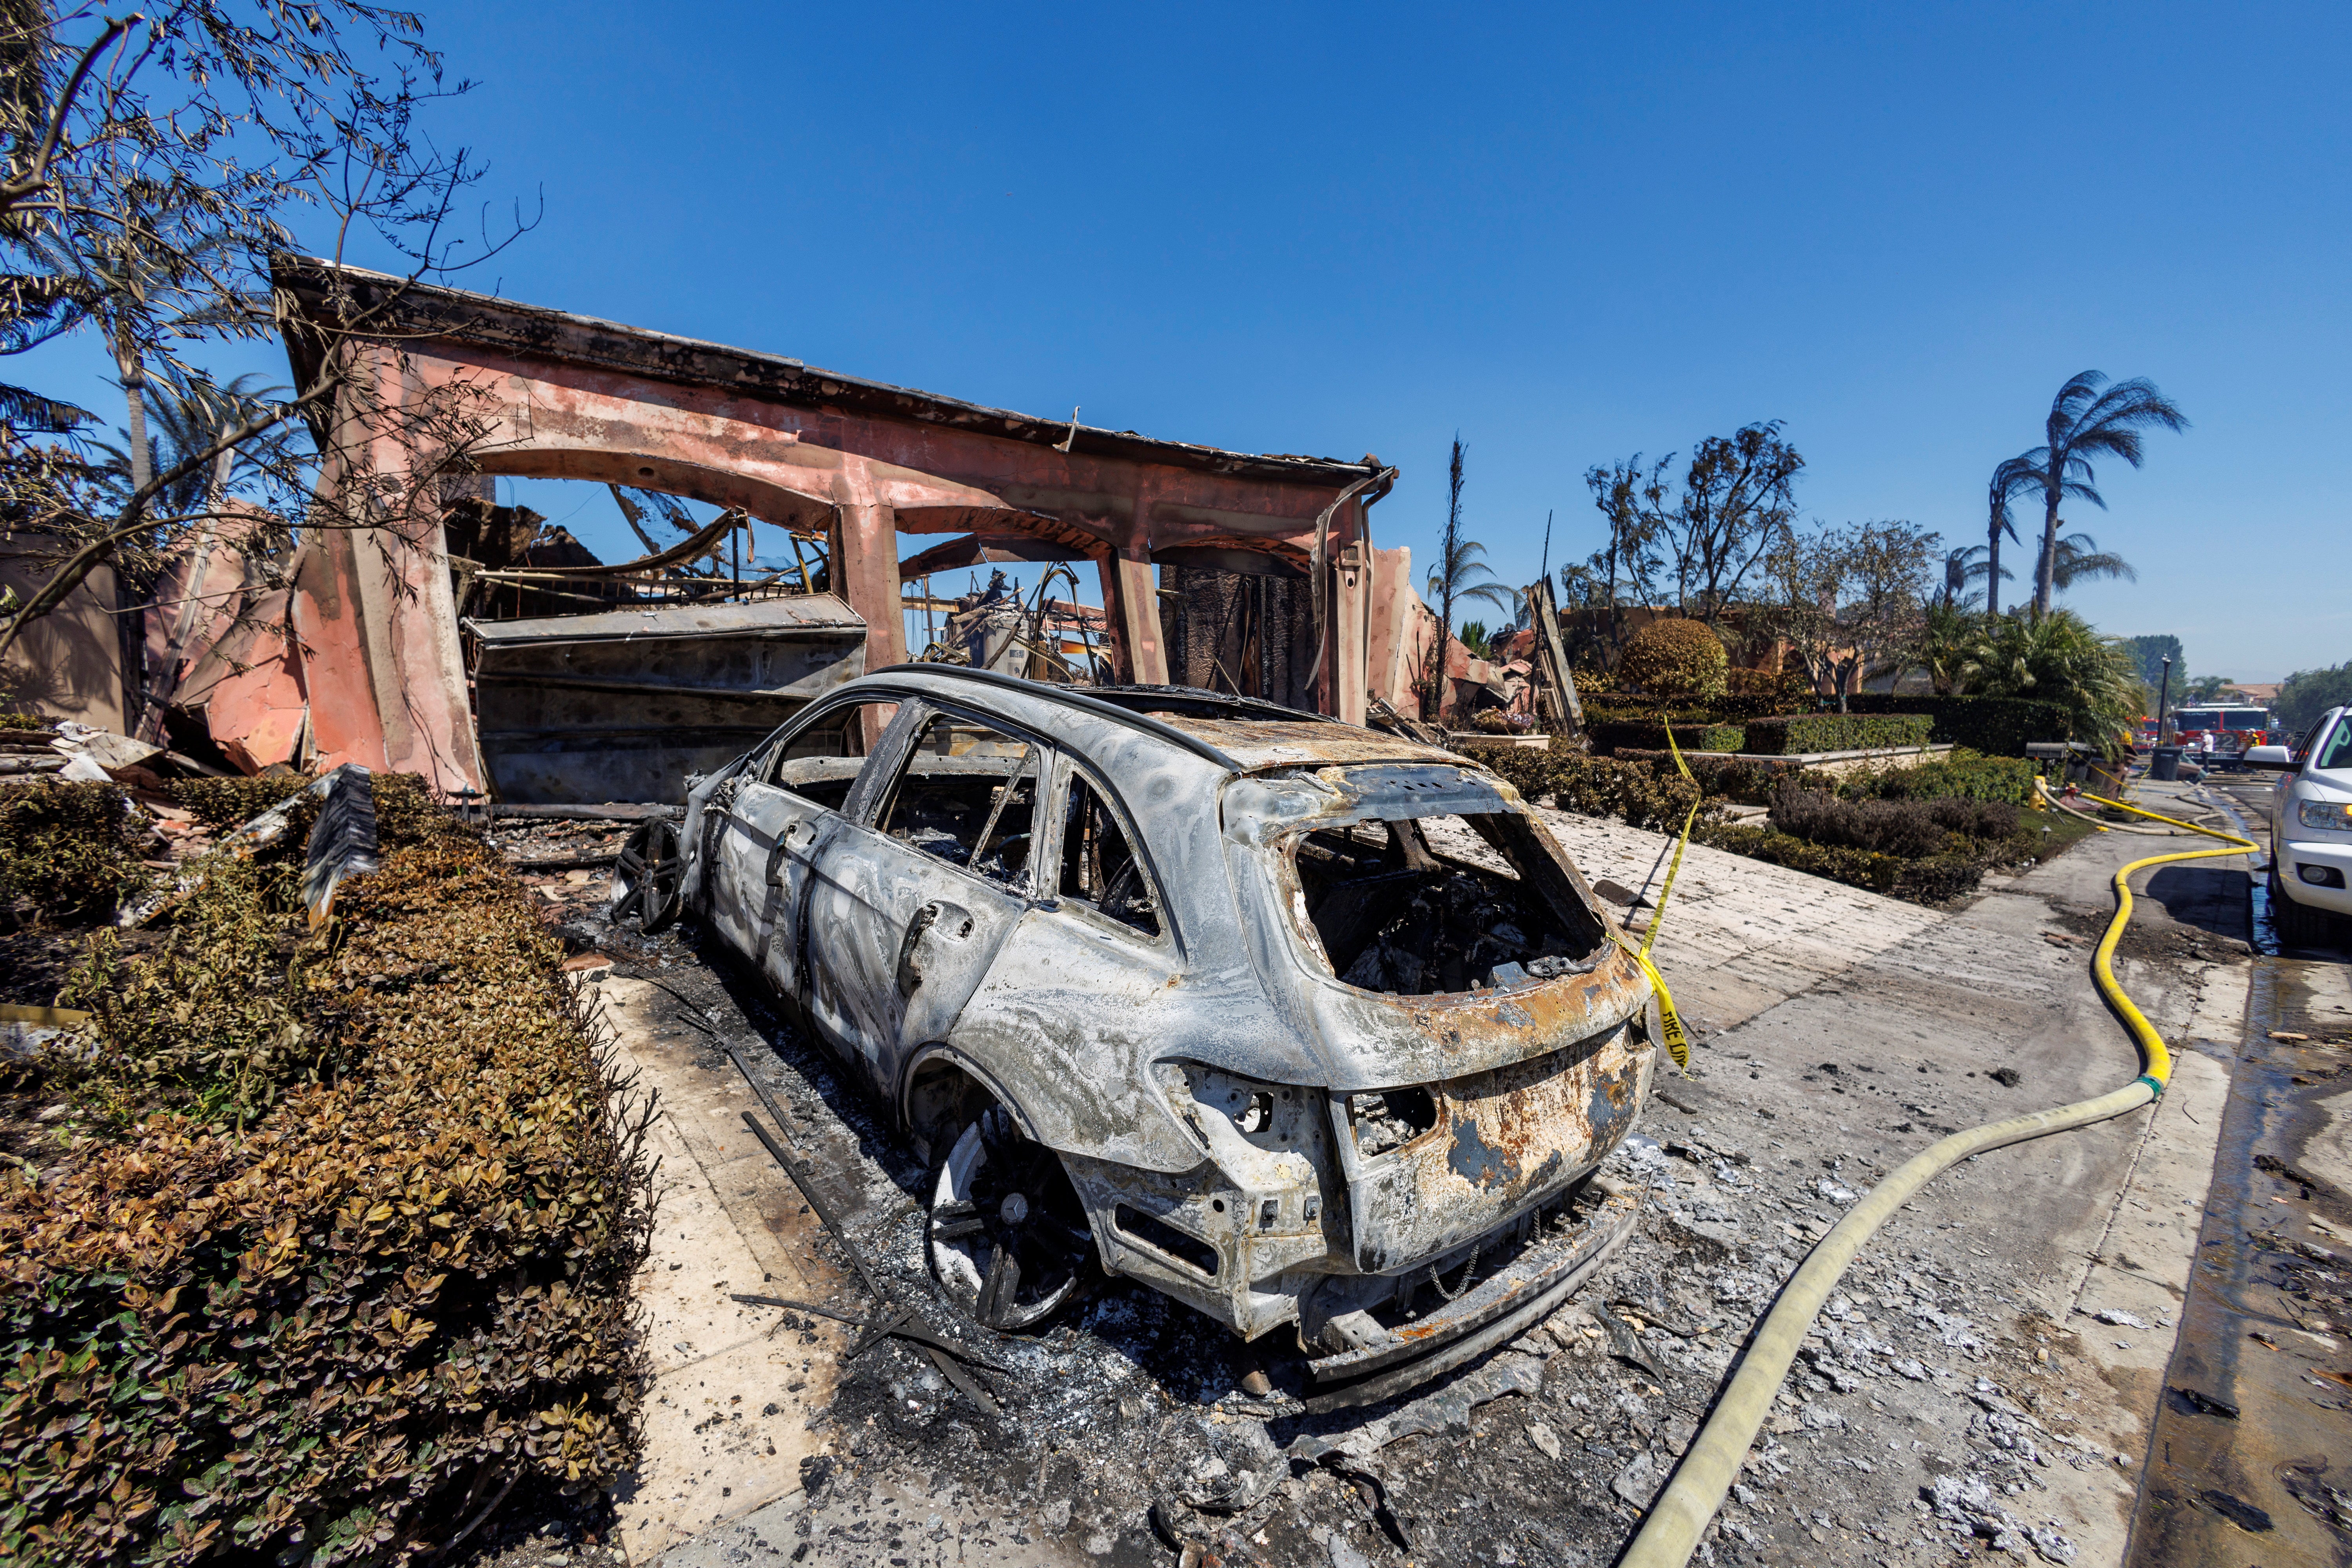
(620, 706)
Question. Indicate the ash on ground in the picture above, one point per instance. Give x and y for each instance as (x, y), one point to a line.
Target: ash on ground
(1928, 1410)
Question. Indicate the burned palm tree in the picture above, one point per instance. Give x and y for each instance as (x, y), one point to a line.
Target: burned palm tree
(1458, 575)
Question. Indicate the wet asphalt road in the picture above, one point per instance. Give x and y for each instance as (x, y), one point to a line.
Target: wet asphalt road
(2252, 1453)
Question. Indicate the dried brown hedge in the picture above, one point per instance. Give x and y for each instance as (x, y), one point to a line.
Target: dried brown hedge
(69, 848)
(1903, 828)
(330, 1339)
(1595, 786)
(232, 802)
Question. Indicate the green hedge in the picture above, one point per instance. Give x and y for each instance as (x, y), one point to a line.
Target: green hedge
(1727, 709)
(1622, 735)
(1796, 735)
(326, 1324)
(1960, 773)
(1997, 726)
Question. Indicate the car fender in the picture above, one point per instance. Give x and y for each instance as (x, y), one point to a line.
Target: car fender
(1094, 1093)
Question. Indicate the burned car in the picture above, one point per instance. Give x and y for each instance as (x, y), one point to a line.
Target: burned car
(1295, 1021)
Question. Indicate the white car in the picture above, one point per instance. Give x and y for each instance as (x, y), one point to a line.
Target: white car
(2310, 828)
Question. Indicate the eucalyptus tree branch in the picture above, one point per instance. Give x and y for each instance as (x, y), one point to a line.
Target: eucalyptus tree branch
(36, 177)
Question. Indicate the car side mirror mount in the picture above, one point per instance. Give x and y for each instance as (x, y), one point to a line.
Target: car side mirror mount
(2272, 759)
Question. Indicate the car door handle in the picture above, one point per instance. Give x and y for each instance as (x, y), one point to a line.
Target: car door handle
(910, 973)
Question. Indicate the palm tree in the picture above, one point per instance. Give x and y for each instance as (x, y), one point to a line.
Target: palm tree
(1456, 578)
(2060, 657)
(2084, 422)
(1461, 563)
(180, 421)
(2079, 559)
(2010, 479)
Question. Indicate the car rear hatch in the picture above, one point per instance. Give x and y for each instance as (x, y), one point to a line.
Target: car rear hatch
(1482, 1034)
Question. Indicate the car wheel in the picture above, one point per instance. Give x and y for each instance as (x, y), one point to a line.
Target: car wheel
(2297, 925)
(1008, 1236)
(649, 870)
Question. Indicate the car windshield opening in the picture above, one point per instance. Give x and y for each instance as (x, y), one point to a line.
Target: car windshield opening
(1437, 905)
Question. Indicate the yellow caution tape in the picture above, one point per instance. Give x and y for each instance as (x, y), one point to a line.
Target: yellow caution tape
(1669, 1022)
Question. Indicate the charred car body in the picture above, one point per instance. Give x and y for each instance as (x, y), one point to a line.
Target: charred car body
(1179, 983)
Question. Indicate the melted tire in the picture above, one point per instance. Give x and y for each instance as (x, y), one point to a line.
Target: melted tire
(651, 866)
(1008, 1239)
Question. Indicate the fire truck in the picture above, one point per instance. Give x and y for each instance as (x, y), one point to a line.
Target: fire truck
(2223, 731)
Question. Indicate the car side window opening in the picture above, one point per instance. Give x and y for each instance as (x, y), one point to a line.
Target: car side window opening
(968, 795)
(821, 762)
(1099, 868)
(2336, 750)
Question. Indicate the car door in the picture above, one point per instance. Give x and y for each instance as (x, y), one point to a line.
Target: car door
(769, 840)
(917, 889)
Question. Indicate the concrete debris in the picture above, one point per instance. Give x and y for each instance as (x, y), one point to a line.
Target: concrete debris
(1820, 1418)
(1641, 1159)
(1739, 1285)
(1969, 1503)
(1638, 1482)
(1239, 1465)
(1546, 1440)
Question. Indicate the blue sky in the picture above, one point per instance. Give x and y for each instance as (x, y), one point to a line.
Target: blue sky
(1568, 233)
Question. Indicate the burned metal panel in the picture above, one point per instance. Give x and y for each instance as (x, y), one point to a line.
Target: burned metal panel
(621, 705)
(1371, 1041)
(1261, 744)
(1503, 1142)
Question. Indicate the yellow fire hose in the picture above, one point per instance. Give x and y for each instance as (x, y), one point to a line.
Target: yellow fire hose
(1681, 1513)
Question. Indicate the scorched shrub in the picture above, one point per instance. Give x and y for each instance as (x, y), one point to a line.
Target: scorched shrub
(334, 1336)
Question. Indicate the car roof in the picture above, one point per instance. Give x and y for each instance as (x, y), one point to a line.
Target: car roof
(1240, 734)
